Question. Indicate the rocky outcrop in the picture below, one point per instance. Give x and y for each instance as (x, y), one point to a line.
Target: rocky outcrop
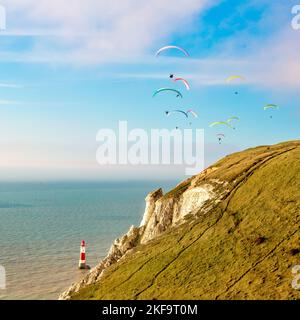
(151, 199)
(161, 213)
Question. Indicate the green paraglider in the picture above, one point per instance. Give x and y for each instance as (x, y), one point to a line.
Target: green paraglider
(220, 123)
(233, 78)
(271, 107)
(232, 119)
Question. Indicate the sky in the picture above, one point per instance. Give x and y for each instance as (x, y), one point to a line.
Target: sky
(70, 68)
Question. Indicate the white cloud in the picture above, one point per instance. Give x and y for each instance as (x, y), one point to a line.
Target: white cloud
(98, 30)
(95, 31)
(280, 60)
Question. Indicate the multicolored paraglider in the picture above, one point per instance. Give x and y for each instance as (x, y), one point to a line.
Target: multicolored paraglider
(158, 52)
(168, 89)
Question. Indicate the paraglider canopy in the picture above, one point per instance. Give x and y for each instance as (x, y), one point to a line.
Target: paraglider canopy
(168, 113)
(220, 137)
(231, 119)
(192, 112)
(234, 77)
(168, 89)
(187, 85)
(220, 123)
(171, 47)
(271, 107)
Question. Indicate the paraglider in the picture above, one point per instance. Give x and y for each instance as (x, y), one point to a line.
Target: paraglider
(234, 77)
(184, 82)
(220, 137)
(219, 123)
(231, 119)
(171, 47)
(271, 107)
(168, 113)
(192, 112)
(168, 89)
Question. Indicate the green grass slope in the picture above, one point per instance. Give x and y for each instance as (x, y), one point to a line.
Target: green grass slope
(244, 248)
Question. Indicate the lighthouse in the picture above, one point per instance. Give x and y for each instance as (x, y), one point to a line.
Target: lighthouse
(82, 260)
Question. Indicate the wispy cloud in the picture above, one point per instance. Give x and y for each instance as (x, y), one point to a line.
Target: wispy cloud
(277, 68)
(10, 85)
(9, 102)
(97, 30)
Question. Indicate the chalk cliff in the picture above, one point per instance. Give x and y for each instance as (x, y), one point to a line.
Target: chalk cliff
(173, 223)
(161, 213)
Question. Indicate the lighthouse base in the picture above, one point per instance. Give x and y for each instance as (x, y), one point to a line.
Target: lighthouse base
(84, 266)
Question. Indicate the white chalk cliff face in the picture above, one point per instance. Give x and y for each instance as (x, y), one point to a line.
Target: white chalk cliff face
(195, 196)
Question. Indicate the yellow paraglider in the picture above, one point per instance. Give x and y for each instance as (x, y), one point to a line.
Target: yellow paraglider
(234, 77)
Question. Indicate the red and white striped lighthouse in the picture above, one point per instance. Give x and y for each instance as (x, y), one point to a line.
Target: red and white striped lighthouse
(82, 260)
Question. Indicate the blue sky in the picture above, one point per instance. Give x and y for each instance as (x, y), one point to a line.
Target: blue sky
(70, 68)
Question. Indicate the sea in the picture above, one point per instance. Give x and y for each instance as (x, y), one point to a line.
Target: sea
(42, 225)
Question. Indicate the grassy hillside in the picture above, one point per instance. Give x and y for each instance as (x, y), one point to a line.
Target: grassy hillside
(244, 248)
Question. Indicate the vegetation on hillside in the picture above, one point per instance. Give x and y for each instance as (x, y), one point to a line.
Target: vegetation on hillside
(244, 248)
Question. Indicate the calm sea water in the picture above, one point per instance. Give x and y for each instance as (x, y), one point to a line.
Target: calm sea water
(41, 226)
